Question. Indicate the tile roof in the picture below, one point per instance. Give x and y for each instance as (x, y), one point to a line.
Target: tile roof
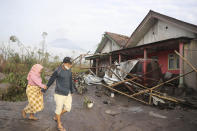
(119, 39)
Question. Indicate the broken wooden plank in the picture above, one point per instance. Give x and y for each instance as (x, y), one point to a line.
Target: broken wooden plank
(92, 72)
(190, 64)
(93, 67)
(121, 82)
(147, 90)
(165, 97)
(124, 94)
(80, 56)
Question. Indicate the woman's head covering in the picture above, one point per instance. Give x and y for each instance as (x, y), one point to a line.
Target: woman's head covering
(35, 70)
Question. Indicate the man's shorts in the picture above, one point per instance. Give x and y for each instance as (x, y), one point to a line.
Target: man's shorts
(62, 102)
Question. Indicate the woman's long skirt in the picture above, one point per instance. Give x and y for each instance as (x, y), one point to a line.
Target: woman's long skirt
(35, 99)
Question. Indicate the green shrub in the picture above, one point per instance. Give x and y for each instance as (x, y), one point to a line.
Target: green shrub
(15, 58)
(17, 91)
(16, 68)
(43, 76)
(54, 65)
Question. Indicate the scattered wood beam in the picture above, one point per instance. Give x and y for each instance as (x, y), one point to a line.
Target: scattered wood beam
(124, 94)
(147, 90)
(186, 61)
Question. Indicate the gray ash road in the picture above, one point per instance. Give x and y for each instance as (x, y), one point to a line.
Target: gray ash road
(120, 114)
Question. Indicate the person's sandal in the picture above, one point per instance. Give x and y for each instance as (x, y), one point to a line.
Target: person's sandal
(33, 118)
(61, 128)
(24, 114)
(55, 119)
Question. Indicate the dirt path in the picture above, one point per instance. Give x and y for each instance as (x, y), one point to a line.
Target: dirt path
(120, 114)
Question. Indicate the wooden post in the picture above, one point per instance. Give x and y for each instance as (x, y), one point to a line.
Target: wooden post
(181, 65)
(110, 60)
(90, 63)
(145, 63)
(97, 60)
(150, 96)
(119, 58)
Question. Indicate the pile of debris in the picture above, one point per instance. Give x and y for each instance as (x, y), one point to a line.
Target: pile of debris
(80, 85)
(129, 79)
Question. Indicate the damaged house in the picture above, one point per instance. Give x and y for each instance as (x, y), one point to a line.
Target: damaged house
(156, 37)
(102, 57)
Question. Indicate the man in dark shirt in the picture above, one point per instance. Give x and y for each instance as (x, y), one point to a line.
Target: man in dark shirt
(63, 91)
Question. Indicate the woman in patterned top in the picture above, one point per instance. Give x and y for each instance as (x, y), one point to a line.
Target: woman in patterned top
(33, 91)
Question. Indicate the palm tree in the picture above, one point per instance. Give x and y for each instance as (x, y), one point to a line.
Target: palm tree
(39, 53)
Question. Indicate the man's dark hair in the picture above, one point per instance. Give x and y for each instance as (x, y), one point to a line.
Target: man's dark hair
(67, 60)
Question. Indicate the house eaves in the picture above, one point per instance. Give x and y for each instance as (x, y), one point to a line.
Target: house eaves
(150, 19)
(118, 39)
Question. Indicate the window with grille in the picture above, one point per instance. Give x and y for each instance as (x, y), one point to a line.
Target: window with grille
(173, 62)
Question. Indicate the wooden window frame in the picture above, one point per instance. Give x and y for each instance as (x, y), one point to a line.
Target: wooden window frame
(175, 57)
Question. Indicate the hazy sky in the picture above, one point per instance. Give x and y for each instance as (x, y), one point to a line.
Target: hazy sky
(83, 21)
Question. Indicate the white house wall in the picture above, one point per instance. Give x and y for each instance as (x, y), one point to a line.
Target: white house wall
(109, 46)
(162, 31)
(115, 46)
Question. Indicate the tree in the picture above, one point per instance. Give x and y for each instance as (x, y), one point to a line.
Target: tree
(47, 56)
(56, 58)
(39, 53)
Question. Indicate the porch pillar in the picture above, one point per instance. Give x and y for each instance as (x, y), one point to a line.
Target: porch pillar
(97, 60)
(145, 63)
(110, 60)
(145, 58)
(119, 58)
(145, 53)
(181, 65)
(90, 63)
